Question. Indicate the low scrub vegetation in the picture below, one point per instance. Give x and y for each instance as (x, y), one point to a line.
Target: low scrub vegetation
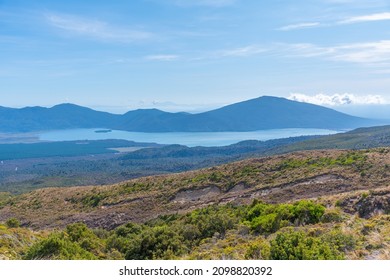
(325, 205)
(255, 231)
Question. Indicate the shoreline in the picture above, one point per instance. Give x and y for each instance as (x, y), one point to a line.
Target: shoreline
(15, 138)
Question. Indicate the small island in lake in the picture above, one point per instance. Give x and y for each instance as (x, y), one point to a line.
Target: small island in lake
(103, 131)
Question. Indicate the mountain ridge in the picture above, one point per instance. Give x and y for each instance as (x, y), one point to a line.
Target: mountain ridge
(264, 112)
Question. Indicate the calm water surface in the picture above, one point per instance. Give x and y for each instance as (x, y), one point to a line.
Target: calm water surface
(190, 139)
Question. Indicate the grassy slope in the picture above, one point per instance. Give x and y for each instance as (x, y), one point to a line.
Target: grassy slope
(353, 185)
(15, 241)
(274, 179)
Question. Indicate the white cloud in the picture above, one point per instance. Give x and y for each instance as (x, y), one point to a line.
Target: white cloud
(243, 51)
(370, 53)
(162, 57)
(305, 50)
(338, 1)
(338, 99)
(365, 18)
(299, 26)
(373, 54)
(95, 28)
(350, 20)
(210, 3)
(358, 3)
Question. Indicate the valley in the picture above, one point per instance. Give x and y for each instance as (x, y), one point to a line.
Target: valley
(57, 164)
(325, 196)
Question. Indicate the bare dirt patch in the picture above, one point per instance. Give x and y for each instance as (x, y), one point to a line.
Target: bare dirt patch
(192, 195)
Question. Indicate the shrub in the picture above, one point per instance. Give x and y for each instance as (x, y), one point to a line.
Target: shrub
(266, 223)
(160, 242)
(340, 241)
(267, 218)
(307, 212)
(128, 229)
(213, 219)
(258, 250)
(297, 245)
(331, 216)
(58, 246)
(12, 223)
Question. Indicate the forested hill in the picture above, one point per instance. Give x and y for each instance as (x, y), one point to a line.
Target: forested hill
(256, 114)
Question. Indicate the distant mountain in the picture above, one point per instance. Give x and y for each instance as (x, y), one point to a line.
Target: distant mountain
(272, 112)
(261, 113)
(63, 116)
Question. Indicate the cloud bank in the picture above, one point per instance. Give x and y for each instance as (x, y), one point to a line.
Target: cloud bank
(338, 99)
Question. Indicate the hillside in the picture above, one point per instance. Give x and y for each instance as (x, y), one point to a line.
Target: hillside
(299, 175)
(330, 204)
(256, 114)
(360, 138)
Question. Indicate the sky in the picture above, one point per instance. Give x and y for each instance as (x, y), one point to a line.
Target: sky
(192, 55)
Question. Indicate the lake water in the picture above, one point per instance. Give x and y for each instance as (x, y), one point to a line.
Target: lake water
(190, 139)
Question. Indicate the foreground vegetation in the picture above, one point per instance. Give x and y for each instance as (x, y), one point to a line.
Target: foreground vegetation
(277, 179)
(294, 231)
(330, 204)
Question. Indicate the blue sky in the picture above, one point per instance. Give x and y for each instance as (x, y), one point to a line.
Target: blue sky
(192, 55)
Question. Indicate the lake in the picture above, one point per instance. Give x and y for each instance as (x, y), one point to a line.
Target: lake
(191, 139)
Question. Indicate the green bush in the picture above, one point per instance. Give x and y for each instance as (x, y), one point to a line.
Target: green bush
(331, 216)
(266, 223)
(123, 237)
(268, 218)
(298, 245)
(128, 229)
(12, 223)
(160, 242)
(77, 241)
(307, 212)
(258, 250)
(85, 238)
(58, 246)
(342, 242)
(213, 219)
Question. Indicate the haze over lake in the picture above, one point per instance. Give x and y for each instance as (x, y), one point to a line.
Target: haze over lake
(190, 139)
